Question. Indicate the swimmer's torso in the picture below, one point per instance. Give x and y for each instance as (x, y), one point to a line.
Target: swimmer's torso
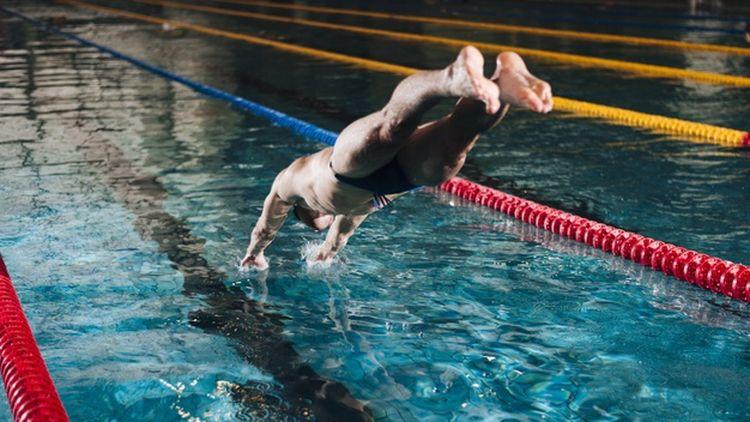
(309, 182)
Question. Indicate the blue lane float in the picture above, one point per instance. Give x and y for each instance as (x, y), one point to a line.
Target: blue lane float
(307, 130)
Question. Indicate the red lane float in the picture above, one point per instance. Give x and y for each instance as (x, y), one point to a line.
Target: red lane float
(746, 139)
(711, 273)
(31, 393)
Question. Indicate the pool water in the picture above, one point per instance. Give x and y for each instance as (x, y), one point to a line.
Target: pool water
(126, 203)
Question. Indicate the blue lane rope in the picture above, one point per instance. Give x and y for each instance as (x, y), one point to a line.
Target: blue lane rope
(307, 130)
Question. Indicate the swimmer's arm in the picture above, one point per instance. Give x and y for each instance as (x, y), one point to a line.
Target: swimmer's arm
(271, 219)
(338, 235)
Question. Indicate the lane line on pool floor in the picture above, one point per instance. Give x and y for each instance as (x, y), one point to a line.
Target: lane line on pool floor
(639, 69)
(256, 331)
(497, 27)
(711, 273)
(691, 131)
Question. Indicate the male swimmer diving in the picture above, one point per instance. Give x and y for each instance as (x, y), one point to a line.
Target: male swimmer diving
(387, 153)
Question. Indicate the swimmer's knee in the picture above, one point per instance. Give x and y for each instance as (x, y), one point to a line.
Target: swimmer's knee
(443, 172)
(313, 219)
(438, 178)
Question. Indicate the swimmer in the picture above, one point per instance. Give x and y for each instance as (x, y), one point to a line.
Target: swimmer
(747, 32)
(387, 153)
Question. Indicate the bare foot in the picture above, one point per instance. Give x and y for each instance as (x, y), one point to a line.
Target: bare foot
(519, 87)
(258, 262)
(467, 72)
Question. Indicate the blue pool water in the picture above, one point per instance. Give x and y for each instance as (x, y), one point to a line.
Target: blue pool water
(126, 202)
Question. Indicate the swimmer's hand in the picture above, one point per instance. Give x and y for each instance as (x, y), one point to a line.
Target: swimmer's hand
(321, 259)
(251, 261)
(323, 256)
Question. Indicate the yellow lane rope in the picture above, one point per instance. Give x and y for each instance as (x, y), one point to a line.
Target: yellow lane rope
(497, 27)
(633, 4)
(610, 3)
(586, 61)
(659, 124)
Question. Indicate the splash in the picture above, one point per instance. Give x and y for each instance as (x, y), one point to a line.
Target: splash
(309, 250)
(245, 270)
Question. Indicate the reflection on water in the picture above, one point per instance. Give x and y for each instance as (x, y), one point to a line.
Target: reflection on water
(257, 332)
(131, 198)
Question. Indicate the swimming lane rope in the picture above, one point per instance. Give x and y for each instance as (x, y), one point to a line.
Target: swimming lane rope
(641, 69)
(703, 270)
(693, 131)
(28, 385)
(708, 272)
(498, 27)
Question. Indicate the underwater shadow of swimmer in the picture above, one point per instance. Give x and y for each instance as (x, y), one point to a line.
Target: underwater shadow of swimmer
(257, 334)
(256, 331)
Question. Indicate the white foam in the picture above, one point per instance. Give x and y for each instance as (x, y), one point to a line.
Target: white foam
(246, 269)
(309, 250)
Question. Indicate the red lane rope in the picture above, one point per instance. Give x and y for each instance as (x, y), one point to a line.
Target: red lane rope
(703, 270)
(746, 140)
(31, 393)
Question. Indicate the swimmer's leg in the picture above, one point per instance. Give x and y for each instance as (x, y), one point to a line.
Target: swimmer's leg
(313, 219)
(371, 142)
(341, 230)
(436, 152)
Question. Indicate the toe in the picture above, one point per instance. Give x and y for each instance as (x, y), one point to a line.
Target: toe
(541, 88)
(489, 93)
(548, 105)
(544, 91)
(547, 91)
(492, 105)
(532, 101)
